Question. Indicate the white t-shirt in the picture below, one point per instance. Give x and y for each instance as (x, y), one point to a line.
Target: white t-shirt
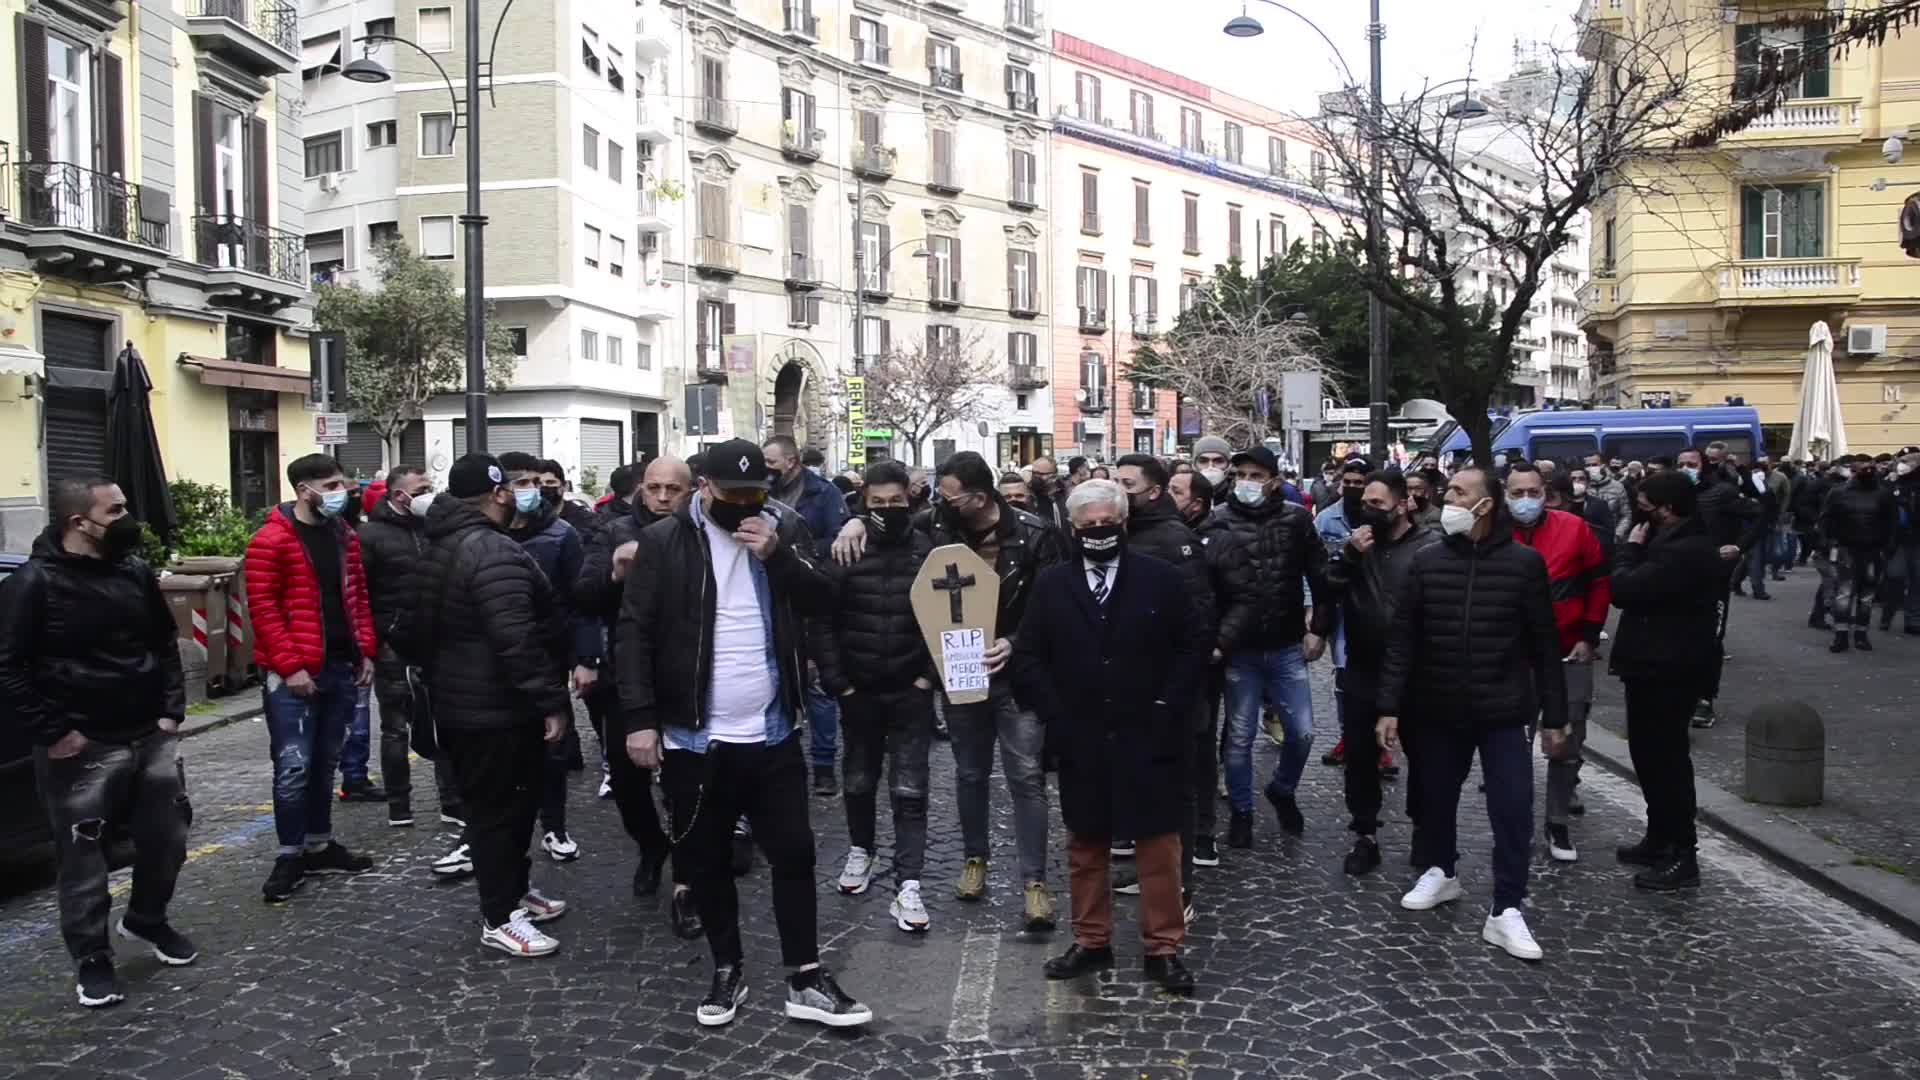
(742, 686)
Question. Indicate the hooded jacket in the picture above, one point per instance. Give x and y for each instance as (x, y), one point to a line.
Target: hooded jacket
(87, 645)
(283, 597)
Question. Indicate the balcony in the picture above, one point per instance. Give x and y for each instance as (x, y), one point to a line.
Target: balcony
(1143, 400)
(876, 284)
(653, 121)
(1023, 302)
(717, 117)
(653, 209)
(710, 361)
(652, 35)
(1146, 326)
(261, 38)
(1599, 20)
(944, 293)
(874, 162)
(1093, 320)
(1092, 399)
(1022, 377)
(88, 225)
(1022, 102)
(1803, 121)
(1023, 17)
(715, 255)
(944, 179)
(800, 144)
(872, 53)
(804, 271)
(1769, 282)
(801, 23)
(946, 79)
(249, 263)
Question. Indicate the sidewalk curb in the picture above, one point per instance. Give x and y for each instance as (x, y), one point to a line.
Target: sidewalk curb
(214, 721)
(1821, 863)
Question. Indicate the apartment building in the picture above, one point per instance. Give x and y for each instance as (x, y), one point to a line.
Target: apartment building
(574, 124)
(859, 178)
(148, 202)
(1709, 289)
(1158, 179)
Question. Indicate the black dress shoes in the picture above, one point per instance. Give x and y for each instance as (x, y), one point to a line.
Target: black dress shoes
(1171, 974)
(1077, 961)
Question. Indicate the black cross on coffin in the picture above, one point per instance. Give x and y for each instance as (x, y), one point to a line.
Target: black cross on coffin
(951, 585)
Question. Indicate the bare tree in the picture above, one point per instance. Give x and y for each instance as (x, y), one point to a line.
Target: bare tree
(919, 389)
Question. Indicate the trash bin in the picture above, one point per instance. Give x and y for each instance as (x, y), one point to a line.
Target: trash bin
(224, 616)
(190, 597)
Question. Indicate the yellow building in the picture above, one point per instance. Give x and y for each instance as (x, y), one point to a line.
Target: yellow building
(150, 199)
(1708, 276)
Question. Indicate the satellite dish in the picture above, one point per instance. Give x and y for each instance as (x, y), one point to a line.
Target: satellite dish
(1080, 396)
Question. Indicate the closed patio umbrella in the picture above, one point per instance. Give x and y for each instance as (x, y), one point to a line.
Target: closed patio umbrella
(1819, 431)
(133, 447)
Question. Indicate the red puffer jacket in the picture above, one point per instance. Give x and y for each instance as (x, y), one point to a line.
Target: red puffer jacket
(283, 597)
(1577, 574)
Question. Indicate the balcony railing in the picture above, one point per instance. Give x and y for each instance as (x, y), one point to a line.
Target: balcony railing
(1020, 101)
(944, 178)
(1093, 320)
(945, 79)
(1023, 196)
(944, 292)
(1807, 116)
(717, 115)
(872, 52)
(1023, 301)
(1026, 376)
(53, 195)
(1765, 280)
(804, 269)
(876, 282)
(801, 143)
(225, 242)
(801, 22)
(715, 253)
(1023, 16)
(276, 24)
(1146, 326)
(874, 162)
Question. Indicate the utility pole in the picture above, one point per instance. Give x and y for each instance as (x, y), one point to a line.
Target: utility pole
(475, 224)
(1376, 311)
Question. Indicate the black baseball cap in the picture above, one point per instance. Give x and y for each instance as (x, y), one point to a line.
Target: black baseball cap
(736, 464)
(1257, 455)
(474, 474)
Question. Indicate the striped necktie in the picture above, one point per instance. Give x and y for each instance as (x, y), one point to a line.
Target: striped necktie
(1099, 584)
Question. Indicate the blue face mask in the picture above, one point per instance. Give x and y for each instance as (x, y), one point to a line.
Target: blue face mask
(1527, 511)
(526, 500)
(332, 503)
(1692, 473)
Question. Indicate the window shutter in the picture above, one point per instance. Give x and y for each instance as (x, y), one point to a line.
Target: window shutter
(799, 234)
(700, 341)
(953, 269)
(880, 35)
(348, 144)
(1011, 295)
(1153, 298)
(933, 276)
(930, 60)
(113, 113)
(870, 128)
(1752, 223)
(1746, 59)
(1815, 79)
(260, 172)
(886, 336)
(813, 311)
(1809, 224)
(32, 36)
(886, 248)
(203, 152)
(728, 326)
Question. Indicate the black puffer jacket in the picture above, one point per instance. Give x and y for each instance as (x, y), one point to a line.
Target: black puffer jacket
(1809, 495)
(1474, 643)
(663, 642)
(391, 544)
(1028, 545)
(485, 625)
(1859, 518)
(871, 641)
(86, 645)
(596, 595)
(1668, 592)
(1727, 515)
(1156, 529)
(1368, 586)
(1257, 568)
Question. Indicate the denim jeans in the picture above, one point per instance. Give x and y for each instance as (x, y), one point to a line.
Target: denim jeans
(304, 736)
(895, 726)
(1782, 550)
(1278, 678)
(1756, 568)
(823, 724)
(357, 749)
(974, 729)
(142, 783)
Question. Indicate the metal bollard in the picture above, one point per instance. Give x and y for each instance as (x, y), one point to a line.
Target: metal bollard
(1786, 755)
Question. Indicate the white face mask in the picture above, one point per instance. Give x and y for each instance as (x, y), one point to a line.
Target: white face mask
(418, 507)
(1456, 520)
(1902, 469)
(1214, 474)
(1250, 492)
(1580, 488)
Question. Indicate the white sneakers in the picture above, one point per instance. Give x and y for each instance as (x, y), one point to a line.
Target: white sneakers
(1509, 931)
(517, 937)
(1433, 889)
(560, 847)
(457, 861)
(858, 873)
(606, 784)
(542, 908)
(908, 911)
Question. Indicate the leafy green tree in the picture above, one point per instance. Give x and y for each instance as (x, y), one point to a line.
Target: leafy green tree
(406, 341)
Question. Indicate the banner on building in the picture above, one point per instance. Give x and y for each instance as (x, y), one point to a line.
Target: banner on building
(856, 421)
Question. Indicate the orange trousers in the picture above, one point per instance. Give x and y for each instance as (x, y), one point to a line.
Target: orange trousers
(1163, 924)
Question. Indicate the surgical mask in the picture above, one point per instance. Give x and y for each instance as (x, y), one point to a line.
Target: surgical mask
(333, 503)
(420, 504)
(1599, 475)
(1214, 475)
(1456, 520)
(1527, 511)
(1249, 492)
(730, 516)
(1098, 543)
(1902, 469)
(890, 523)
(526, 500)
(1690, 473)
(1579, 489)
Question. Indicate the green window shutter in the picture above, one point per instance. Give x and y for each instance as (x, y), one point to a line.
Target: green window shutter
(1746, 59)
(1815, 81)
(1808, 224)
(1752, 215)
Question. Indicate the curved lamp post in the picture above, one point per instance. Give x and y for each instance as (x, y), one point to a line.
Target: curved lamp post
(465, 114)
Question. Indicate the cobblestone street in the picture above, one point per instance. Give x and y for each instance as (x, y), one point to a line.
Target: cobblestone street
(1303, 972)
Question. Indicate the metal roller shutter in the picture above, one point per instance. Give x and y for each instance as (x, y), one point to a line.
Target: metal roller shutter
(502, 436)
(413, 444)
(76, 396)
(600, 446)
(359, 456)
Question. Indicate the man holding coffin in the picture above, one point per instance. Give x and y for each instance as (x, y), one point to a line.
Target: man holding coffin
(1117, 727)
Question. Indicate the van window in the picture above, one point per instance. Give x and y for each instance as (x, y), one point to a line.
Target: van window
(1739, 442)
(1640, 446)
(1562, 448)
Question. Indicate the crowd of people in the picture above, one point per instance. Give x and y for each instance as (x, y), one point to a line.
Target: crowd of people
(1150, 624)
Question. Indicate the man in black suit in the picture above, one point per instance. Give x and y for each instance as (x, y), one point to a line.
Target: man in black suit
(1117, 727)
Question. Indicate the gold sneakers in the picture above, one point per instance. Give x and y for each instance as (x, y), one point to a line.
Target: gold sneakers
(973, 880)
(1039, 908)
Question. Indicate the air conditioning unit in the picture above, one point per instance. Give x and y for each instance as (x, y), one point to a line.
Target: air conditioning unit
(1867, 339)
(329, 181)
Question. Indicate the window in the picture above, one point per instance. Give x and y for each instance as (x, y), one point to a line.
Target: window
(590, 50)
(1320, 241)
(1021, 95)
(436, 134)
(1023, 350)
(1090, 294)
(1236, 142)
(382, 133)
(517, 340)
(1759, 50)
(617, 256)
(590, 246)
(1086, 97)
(803, 309)
(643, 355)
(1189, 295)
(800, 243)
(870, 42)
(614, 154)
(1143, 303)
(382, 232)
(1140, 113)
(436, 237)
(324, 154)
(1319, 169)
(1276, 155)
(713, 78)
(433, 29)
(1023, 189)
(1784, 222)
(943, 64)
(946, 173)
(943, 269)
(875, 336)
(589, 146)
(1192, 234)
(1190, 130)
(1276, 237)
(616, 350)
(876, 259)
(1093, 381)
(797, 121)
(380, 28)
(615, 80)
(943, 340)
(320, 56)
(1606, 248)
(1022, 272)
(70, 108)
(589, 345)
(1090, 202)
(1233, 232)
(1142, 200)
(326, 255)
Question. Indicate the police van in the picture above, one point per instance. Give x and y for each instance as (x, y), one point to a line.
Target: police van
(1570, 435)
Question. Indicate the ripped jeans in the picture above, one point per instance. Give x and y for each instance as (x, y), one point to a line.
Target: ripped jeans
(304, 735)
(140, 786)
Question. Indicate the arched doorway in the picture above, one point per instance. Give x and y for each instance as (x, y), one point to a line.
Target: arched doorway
(787, 387)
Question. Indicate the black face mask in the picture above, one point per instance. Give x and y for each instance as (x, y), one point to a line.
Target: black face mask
(119, 538)
(890, 524)
(551, 495)
(730, 516)
(1350, 504)
(1380, 520)
(1099, 543)
(1137, 503)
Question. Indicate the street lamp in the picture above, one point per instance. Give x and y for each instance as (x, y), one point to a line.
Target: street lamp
(467, 113)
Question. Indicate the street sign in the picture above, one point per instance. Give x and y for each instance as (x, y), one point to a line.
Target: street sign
(330, 428)
(1300, 400)
(856, 420)
(1356, 414)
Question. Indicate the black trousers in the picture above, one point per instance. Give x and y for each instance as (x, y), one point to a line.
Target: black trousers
(632, 785)
(1719, 658)
(1445, 758)
(1363, 747)
(1658, 714)
(768, 784)
(501, 773)
(894, 726)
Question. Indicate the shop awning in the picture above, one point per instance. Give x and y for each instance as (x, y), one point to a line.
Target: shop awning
(248, 376)
(20, 360)
(323, 51)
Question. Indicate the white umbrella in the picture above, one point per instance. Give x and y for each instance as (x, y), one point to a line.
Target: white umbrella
(1820, 431)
